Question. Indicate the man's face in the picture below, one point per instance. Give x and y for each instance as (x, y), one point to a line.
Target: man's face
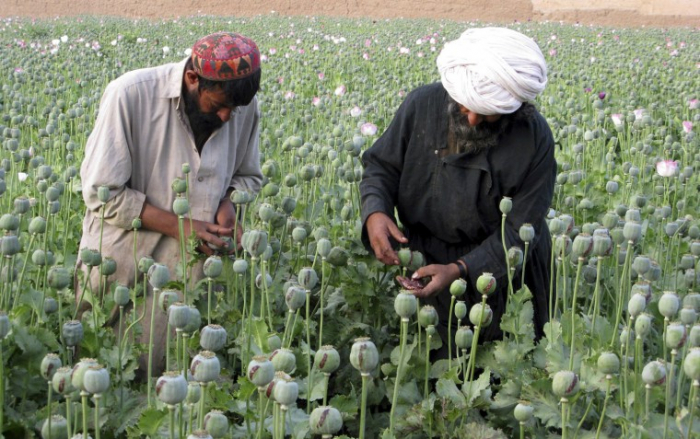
(207, 110)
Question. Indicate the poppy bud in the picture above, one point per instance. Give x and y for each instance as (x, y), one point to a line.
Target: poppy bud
(286, 392)
(37, 225)
(675, 335)
(464, 337)
(72, 332)
(216, 424)
(171, 388)
(307, 278)
(327, 359)
(96, 380)
(49, 364)
(476, 313)
(460, 310)
(427, 316)
(166, 298)
(523, 412)
(642, 325)
(636, 305)
(57, 430)
(79, 370)
(283, 360)
(181, 206)
(59, 277)
(158, 275)
(527, 232)
(669, 304)
(213, 267)
(506, 205)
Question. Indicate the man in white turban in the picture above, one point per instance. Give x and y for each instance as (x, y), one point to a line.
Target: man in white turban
(454, 150)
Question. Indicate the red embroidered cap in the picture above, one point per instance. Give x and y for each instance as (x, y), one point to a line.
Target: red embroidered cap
(224, 56)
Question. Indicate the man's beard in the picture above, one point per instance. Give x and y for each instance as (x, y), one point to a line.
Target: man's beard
(463, 137)
(202, 124)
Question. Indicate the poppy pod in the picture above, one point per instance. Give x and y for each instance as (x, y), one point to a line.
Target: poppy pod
(325, 420)
(205, 367)
(171, 388)
(363, 355)
(327, 359)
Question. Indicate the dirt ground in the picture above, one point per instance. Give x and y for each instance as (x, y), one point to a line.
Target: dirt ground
(485, 10)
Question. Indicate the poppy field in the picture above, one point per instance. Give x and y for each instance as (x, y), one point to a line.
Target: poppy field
(303, 334)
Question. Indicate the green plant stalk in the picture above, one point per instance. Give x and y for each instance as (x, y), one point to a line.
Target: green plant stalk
(190, 420)
(449, 332)
(97, 415)
(326, 377)
(363, 406)
(397, 382)
(428, 338)
(624, 352)
(584, 417)
(608, 380)
(149, 396)
(522, 430)
(638, 354)
(621, 300)
(596, 291)
(475, 341)
(86, 284)
(171, 412)
(261, 414)
(691, 408)
(84, 396)
(201, 405)
(209, 282)
(183, 256)
(564, 417)
(48, 404)
(266, 293)
(249, 330)
(185, 336)
(573, 312)
(324, 285)
(308, 346)
(681, 374)
(505, 254)
(668, 391)
(522, 272)
(69, 419)
(24, 267)
(290, 313)
(119, 356)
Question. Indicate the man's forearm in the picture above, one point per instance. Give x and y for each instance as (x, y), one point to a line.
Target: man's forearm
(159, 220)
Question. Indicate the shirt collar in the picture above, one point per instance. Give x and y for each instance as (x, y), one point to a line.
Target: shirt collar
(173, 81)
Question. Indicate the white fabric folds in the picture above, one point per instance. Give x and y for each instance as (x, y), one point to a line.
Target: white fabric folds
(492, 70)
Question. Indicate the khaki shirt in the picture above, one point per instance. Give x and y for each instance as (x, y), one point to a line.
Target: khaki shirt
(137, 148)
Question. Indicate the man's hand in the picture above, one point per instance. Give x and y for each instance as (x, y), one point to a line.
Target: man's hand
(379, 228)
(441, 277)
(226, 216)
(208, 233)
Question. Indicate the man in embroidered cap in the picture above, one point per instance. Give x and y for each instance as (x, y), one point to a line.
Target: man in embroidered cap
(453, 151)
(201, 114)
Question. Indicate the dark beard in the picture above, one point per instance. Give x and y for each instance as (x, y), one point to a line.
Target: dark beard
(463, 137)
(202, 124)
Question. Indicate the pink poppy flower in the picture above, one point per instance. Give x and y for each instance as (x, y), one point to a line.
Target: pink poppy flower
(289, 95)
(340, 90)
(368, 129)
(687, 126)
(355, 111)
(638, 113)
(365, 56)
(694, 104)
(666, 168)
(316, 101)
(617, 119)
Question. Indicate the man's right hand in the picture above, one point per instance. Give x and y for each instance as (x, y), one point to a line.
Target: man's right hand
(379, 228)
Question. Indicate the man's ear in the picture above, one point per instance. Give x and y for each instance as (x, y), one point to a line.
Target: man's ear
(191, 79)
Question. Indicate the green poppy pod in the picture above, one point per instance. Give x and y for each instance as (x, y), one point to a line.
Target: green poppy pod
(145, 264)
(274, 342)
(636, 305)
(565, 383)
(22, 205)
(654, 373)
(61, 380)
(108, 266)
(428, 316)
(325, 420)
(178, 315)
(687, 262)
(186, 168)
(477, 318)
(582, 246)
(641, 264)
(526, 232)
(602, 243)
(194, 393)
(691, 364)
(56, 430)
(515, 257)
(260, 371)
(323, 247)
(283, 360)
(486, 283)
(199, 434)
(288, 204)
(181, 206)
(9, 222)
(255, 242)
(669, 304)
(338, 256)
(239, 197)
(72, 332)
(458, 287)
(299, 234)
(608, 363)
(96, 380)
(675, 335)
(213, 266)
(212, 338)
(79, 370)
(194, 321)
(405, 305)
(327, 359)
(10, 245)
(505, 205)
(286, 392)
(158, 275)
(460, 309)
(307, 278)
(52, 193)
(179, 186)
(240, 266)
(688, 315)
(205, 367)
(290, 180)
(556, 226)
(49, 365)
(562, 245)
(523, 412)
(363, 355)
(37, 225)
(464, 337)
(171, 388)
(50, 305)
(59, 277)
(295, 297)
(216, 423)
(168, 297)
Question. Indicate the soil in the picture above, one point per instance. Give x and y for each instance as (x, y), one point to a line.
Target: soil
(503, 11)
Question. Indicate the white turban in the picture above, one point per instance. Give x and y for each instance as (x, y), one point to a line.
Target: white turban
(492, 70)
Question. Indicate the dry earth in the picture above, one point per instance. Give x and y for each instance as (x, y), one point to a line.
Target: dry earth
(625, 14)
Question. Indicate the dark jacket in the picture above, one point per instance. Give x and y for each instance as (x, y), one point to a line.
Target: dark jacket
(449, 204)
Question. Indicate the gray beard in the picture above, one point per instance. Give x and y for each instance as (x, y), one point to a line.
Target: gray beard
(464, 138)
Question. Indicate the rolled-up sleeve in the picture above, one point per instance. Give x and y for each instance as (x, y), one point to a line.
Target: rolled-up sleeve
(108, 161)
(248, 175)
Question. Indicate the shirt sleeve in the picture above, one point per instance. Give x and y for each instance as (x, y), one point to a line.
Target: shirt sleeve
(531, 202)
(382, 166)
(108, 160)
(248, 176)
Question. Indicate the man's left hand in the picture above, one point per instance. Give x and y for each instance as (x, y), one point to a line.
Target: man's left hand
(441, 276)
(226, 217)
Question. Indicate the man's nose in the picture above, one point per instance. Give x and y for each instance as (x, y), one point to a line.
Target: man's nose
(224, 114)
(474, 118)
